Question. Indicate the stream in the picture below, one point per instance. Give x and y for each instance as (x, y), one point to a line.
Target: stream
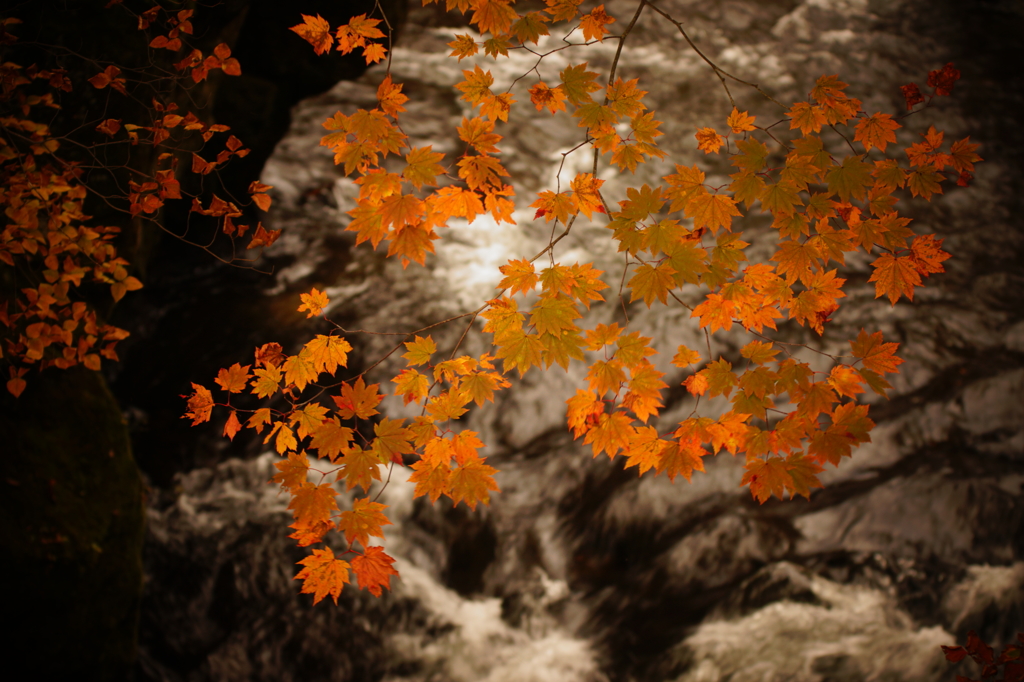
(580, 570)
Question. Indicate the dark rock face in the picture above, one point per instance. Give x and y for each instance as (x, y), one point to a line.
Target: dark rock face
(71, 528)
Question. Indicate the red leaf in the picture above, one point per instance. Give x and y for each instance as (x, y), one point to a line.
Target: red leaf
(912, 94)
(374, 570)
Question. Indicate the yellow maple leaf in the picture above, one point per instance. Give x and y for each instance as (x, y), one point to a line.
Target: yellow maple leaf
(299, 370)
(423, 167)
(463, 46)
(327, 353)
(471, 481)
(315, 302)
(477, 85)
(520, 276)
(586, 194)
(739, 121)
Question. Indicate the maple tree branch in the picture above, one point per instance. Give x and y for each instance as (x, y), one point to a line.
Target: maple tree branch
(614, 67)
(622, 42)
(622, 285)
(680, 301)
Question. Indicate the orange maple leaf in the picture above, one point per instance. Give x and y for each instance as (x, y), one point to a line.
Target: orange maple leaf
(392, 439)
(323, 575)
(374, 52)
(327, 353)
(586, 194)
(497, 107)
(697, 384)
(291, 472)
(365, 519)
(876, 355)
(390, 96)
(593, 24)
(477, 85)
(432, 474)
(520, 276)
(612, 433)
(330, 438)
(602, 335)
(583, 412)
(298, 370)
(681, 457)
(358, 400)
(306, 534)
(644, 450)
(471, 480)
(709, 141)
(419, 350)
(463, 46)
(374, 569)
(315, 302)
(313, 503)
(740, 122)
(552, 98)
(359, 467)
(234, 378)
(877, 130)
(412, 243)
(651, 283)
(267, 381)
(715, 311)
(846, 381)
(807, 117)
(578, 83)
(767, 477)
(895, 276)
(554, 206)
(479, 133)
(711, 210)
(962, 156)
(927, 254)
(232, 426)
(423, 167)
(200, 404)
(481, 170)
(316, 31)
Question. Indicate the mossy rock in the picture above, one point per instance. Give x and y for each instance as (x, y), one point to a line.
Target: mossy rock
(72, 521)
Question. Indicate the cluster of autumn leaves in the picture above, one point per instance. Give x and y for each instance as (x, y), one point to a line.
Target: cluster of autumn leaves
(48, 242)
(1008, 666)
(45, 234)
(787, 420)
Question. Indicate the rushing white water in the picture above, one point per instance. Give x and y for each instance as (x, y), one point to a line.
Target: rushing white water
(577, 570)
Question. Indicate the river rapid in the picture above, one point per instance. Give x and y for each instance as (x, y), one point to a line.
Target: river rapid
(580, 570)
